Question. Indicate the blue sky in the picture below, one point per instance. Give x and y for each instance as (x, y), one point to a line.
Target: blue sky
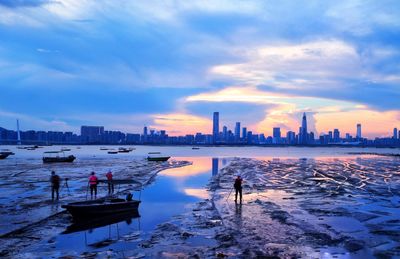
(169, 64)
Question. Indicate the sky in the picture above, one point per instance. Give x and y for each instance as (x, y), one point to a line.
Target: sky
(170, 64)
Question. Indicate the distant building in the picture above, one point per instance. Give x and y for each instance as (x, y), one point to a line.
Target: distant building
(276, 134)
(395, 133)
(237, 131)
(336, 135)
(225, 133)
(359, 131)
(303, 130)
(244, 133)
(90, 134)
(215, 127)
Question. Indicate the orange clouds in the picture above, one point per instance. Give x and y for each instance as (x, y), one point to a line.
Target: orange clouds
(178, 124)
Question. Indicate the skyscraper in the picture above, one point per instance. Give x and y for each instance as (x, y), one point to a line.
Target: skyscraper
(395, 133)
(336, 135)
(276, 133)
(215, 127)
(304, 133)
(359, 131)
(244, 133)
(225, 133)
(237, 131)
(144, 134)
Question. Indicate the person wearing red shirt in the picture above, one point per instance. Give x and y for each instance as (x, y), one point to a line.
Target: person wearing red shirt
(93, 181)
(110, 183)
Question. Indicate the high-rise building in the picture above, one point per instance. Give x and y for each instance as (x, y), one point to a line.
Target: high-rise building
(237, 131)
(336, 135)
(215, 126)
(303, 131)
(92, 134)
(244, 133)
(359, 131)
(225, 133)
(395, 133)
(276, 133)
(330, 136)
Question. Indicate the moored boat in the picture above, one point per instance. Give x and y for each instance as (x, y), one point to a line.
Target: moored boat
(4, 156)
(158, 158)
(100, 207)
(112, 152)
(57, 157)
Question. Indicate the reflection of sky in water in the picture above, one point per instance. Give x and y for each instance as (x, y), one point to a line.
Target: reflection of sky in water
(171, 193)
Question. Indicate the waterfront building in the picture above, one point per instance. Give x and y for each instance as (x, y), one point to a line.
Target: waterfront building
(359, 136)
(336, 135)
(303, 130)
(237, 132)
(89, 134)
(215, 127)
(244, 133)
(395, 133)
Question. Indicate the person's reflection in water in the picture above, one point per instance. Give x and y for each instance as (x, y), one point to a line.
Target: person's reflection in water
(214, 166)
(238, 215)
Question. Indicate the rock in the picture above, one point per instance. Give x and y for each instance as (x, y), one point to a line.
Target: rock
(354, 245)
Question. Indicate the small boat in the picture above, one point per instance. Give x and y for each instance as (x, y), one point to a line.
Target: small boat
(154, 153)
(57, 157)
(65, 149)
(4, 156)
(100, 207)
(112, 152)
(103, 148)
(123, 150)
(195, 148)
(158, 158)
(7, 151)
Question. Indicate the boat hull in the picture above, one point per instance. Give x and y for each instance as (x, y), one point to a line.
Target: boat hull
(4, 156)
(67, 159)
(100, 208)
(159, 159)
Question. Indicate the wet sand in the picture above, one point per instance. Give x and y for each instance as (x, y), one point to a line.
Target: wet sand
(308, 208)
(29, 215)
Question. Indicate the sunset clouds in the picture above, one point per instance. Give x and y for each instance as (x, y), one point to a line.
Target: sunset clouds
(169, 64)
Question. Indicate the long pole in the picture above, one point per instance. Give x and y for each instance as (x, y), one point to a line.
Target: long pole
(229, 194)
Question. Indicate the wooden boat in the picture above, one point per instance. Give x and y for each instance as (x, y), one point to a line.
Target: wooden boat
(112, 152)
(65, 149)
(4, 156)
(7, 151)
(123, 150)
(154, 153)
(56, 157)
(103, 148)
(100, 207)
(195, 148)
(97, 222)
(158, 158)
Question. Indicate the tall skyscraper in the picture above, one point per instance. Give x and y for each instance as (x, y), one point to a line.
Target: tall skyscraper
(225, 133)
(276, 133)
(336, 135)
(215, 126)
(144, 134)
(237, 131)
(395, 133)
(304, 133)
(359, 131)
(18, 134)
(244, 132)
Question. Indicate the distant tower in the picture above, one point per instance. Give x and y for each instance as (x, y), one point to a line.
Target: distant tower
(215, 127)
(359, 131)
(237, 131)
(304, 133)
(395, 135)
(18, 134)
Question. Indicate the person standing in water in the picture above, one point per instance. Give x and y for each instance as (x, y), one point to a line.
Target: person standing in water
(110, 183)
(238, 188)
(55, 185)
(93, 181)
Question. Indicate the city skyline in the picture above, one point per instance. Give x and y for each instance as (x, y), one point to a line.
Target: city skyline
(64, 64)
(98, 135)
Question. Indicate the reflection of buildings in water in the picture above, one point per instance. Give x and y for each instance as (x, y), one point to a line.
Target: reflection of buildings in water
(215, 165)
(224, 161)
